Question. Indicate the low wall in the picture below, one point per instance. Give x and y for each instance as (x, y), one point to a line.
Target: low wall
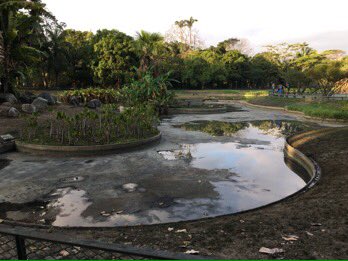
(84, 150)
(197, 110)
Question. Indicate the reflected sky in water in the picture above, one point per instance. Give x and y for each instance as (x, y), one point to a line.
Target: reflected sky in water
(219, 178)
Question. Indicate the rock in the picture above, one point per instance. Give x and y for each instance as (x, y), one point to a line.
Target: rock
(4, 110)
(93, 104)
(27, 97)
(41, 104)
(50, 99)
(6, 138)
(29, 108)
(7, 104)
(130, 187)
(13, 113)
(74, 101)
(8, 97)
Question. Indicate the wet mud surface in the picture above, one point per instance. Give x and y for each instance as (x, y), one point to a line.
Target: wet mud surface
(196, 180)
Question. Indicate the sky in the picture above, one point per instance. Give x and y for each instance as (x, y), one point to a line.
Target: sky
(321, 23)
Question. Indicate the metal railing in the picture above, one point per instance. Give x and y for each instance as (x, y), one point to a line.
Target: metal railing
(24, 243)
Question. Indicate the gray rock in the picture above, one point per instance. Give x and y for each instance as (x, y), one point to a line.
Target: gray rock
(13, 113)
(41, 104)
(74, 101)
(48, 97)
(29, 108)
(27, 97)
(4, 110)
(7, 104)
(8, 97)
(93, 104)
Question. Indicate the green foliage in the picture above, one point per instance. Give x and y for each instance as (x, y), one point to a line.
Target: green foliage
(92, 127)
(114, 57)
(151, 90)
(85, 95)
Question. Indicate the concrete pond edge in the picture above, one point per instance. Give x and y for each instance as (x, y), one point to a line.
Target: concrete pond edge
(197, 110)
(85, 150)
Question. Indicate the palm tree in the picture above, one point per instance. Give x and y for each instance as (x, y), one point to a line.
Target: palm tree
(189, 24)
(181, 24)
(149, 47)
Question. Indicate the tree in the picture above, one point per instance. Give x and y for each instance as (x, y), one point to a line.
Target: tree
(80, 56)
(114, 58)
(325, 76)
(149, 47)
(19, 23)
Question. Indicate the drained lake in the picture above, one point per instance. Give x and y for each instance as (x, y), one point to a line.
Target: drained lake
(200, 169)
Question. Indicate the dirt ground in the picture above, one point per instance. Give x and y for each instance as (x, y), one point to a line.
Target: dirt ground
(318, 217)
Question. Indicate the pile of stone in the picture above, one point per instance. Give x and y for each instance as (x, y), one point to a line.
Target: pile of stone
(30, 103)
(7, 106)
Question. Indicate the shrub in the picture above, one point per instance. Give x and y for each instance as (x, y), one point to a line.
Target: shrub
(85, 95)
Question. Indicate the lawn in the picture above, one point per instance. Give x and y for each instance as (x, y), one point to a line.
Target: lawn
(324, 109)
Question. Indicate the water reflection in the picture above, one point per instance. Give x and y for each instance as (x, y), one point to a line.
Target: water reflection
(204, 180)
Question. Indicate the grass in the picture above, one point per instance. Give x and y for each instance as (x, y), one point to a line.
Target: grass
(324, 109)
(220, 94)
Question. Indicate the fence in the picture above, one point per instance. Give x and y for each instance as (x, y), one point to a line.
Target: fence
(26, 243)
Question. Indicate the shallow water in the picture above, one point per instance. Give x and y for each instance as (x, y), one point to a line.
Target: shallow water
(196, 180)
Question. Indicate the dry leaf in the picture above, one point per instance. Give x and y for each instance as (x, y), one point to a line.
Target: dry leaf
(309, 233)
(64, 253)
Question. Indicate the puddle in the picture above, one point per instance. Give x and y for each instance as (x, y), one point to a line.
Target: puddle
(195, 180)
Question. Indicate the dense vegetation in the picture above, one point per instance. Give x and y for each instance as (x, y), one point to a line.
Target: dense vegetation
(36, 51)
(92, 127)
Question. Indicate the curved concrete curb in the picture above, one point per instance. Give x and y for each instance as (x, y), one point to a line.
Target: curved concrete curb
(197, 110)
(84, 150)
(294, 112)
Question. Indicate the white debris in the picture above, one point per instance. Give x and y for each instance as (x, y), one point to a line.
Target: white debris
(181, 231)
(192, 252)
(130, 187)
(309, 233)
(170, 229)
(290, 238)
(64, 253)
(270, 251)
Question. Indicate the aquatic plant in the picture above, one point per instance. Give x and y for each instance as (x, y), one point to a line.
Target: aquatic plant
(93, 127)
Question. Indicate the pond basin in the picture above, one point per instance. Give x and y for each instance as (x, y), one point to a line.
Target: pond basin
(194, 180)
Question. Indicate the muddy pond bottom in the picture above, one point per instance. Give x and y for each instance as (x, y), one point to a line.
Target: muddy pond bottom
(192, 181)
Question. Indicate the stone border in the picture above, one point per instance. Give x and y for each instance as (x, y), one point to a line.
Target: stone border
(197, 110)
(294, 112)
(84, 150)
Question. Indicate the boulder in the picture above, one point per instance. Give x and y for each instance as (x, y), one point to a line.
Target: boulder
(74, 101)
(8, 97)
(41, 104)
(93, 104)
(7, 104)
(4, 110)
(13, 113)
(27, 97)
(29, 108)
(48, 97)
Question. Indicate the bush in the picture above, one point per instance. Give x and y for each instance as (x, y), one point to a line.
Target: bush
(85, 95)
